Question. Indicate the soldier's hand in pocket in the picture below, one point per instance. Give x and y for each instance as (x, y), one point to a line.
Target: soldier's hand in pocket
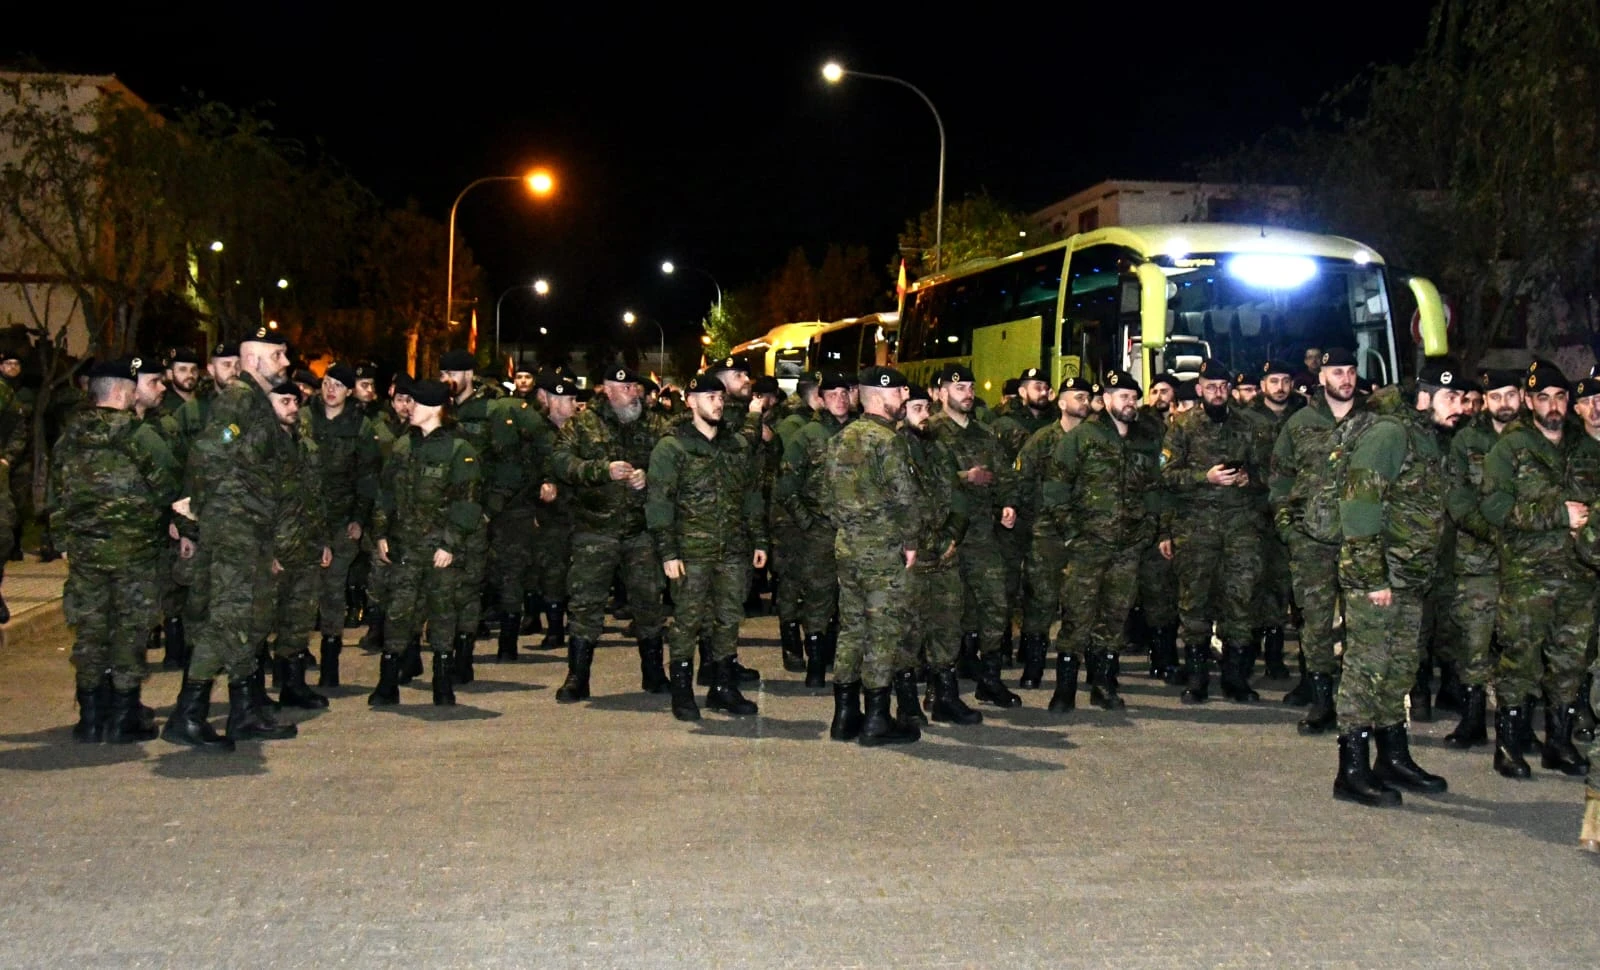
(442, 558)
(673, 568)
(1381, 597)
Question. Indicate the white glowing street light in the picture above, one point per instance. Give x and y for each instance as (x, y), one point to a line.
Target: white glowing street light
(216, 246)
(669, 267)
(539, 286)
(283, 284)
(630, 318)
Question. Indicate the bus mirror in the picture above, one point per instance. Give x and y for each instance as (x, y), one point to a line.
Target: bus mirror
(1152, 306)
(1430, 315)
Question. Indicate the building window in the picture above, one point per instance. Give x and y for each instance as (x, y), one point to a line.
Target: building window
(1089, 219)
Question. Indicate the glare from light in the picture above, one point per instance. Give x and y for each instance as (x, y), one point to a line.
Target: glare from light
(216, 246)
(540, 182)
(628, 318)
(1022, 234)
(541, 287)
(953, 338)
(1362, 257)
(543, 331)
(832, 72)
(667, 267)
(283, 284)
(705, 339)
(1177, 247)
(1271, 271)
(272, 324)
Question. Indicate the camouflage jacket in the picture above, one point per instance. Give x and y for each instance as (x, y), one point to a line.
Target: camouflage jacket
(112, 483)
(304, 526)
(1392, 513)
(181, 426)
(428, 498)
(704, 498)
(1477, 551)
(348, 460)
(873, 490)
(969, 447)
(1194, 443)
(236, 461)
(940, 502)
(1307, 479)
(582, 458)
(1018, 424)
(521, 441)
(1525, 491)
(1033, 469)
(801, 492)
(1100, 486)
(16, 423)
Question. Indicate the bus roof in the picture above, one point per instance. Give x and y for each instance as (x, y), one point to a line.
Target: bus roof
(889, 320)
(784, 336)
(1178, 238)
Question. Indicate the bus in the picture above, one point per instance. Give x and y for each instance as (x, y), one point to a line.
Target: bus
(783, 352)
(1153, 299)
(850, 344)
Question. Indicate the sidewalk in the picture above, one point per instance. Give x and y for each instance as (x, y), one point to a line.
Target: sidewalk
(33, 592)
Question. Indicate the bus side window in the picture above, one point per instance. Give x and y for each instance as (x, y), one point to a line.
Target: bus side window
(1038, 288)
(1093, 309)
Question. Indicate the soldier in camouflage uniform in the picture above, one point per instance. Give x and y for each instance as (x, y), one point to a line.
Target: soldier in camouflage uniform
(558, 397)
(707, 518)
(428, 510)
(788, 540)
(603, 455)
(522, 441)
(302, 553)
(14, 423)
(232, 478)
(472, 403)
(20, 469)
(988, 482)
(874, 495)
(1102, 494)
(1030, 412)
(1214, 462)
(1047, 554)
(389, 426)
(1392, 517)
(112, 483)
(1547, 603)
(1273, 407)
(1158, 581)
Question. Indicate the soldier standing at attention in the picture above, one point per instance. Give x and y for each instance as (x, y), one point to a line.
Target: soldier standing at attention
(471, 404)
(788, 541)
(872, 484)
(552, 540)
(1547, 608)
(988, 484)
(302, 554)
(522, 440)
(706, 515)
(1158, 581)
(1392, 517)
(233, 474)
(1274, 594)
(1029, 412)
(1213, 462)
(427, 512)
(20, 464)
(112, 482)
(388, 427)
(603, 454)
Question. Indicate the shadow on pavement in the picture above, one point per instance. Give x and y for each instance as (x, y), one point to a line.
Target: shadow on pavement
(633, 702)
(482, 686)
(971, 756)
(1220, 712)
(69, 754)
(1555, 822)
(997, 734)
(52, 735)
(718, 725)
(189, 763)
(425, 711)
(793, 688)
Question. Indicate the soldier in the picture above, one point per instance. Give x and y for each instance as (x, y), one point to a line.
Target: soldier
(1475, 570)
(522, 382)
(874, 497)
(1307, 487)
(522, 440)
(20, 464)
(183, 379)
(604, 455)
(1185, 398)
(1158, 581)
(233, 476)
(1163, 394)
(1546, 610)
(1030, 412)
(1246, 387)
(988, 485)
(365, 393)
(1392, 518)
(1101, 492)
(1213, 461)
(391, 425)
(787, 538)
(471, 406)
(1274, 594)
(707, 518)
(1047, 555)
(552, 540)
(302, 553)
(427, 511)
(1583, 472)
(112, 483)
(366, 390)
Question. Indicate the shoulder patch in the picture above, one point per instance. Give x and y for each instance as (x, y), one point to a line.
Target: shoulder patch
(1166, 456)
(229, 433)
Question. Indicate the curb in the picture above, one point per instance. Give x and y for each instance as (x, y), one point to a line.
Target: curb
(42, 621)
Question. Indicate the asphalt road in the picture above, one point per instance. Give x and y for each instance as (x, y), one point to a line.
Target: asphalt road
(515, 832)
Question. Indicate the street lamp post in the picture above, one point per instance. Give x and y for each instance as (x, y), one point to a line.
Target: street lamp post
(539, 182)
(629, 318)
(540, 287)
(833, 73)
(669, 267)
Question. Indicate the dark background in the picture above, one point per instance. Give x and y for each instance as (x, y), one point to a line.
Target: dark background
(712, 140)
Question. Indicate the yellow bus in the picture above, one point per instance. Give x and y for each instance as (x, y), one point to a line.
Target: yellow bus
(850, 344)
(783, 352)
(1151, 299)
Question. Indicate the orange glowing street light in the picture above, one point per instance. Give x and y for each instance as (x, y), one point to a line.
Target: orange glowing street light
(540, 183)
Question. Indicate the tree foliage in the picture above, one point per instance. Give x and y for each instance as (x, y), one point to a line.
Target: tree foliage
(978, 226)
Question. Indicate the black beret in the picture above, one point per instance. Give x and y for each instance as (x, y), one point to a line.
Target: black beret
(10, 354)
(458, 360)
(1442, 372)
(956, 373)
(1588, 387)
(1545, 378)
(1304, 382)
(1539, 362)
(1186, 392)
(882, 377)
(1500, 377)
(265, 335)
(1338, 357)
(224, 349)
(147, 365)
(918, 393)
(287, 388)
(1246, 378)
(431, 394)
(522, 369)
(1215, 370)
(585, 394)
(1078, 384)
(401, 382)
(343, 373)
(729, 363)
(366, 371)
(1278, 367)
(121, 369)
(303, 376)
(648, 385)
(183, 355)
(1009, 387)
(560, 387)
(810, 377)
(1119, 380)
(764, 385)
(1034, 374)
(1166, 377)
(835, 381)
(620, 374)
(705, 384)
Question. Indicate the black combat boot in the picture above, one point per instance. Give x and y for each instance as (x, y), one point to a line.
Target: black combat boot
(1508, 727)
(1236, 674)
(1355, 781)
(794, 653)
(372, 640)
(1272, 647)
(681, 675)
(355, 606)
(411, 660)
(816, 660)
(947, 706)
(531, 604)
(294, 692)
(968, 666)
(510, 630)
(1452, 693)
(388, 690)
(741, 673)
(258, 683)
(1135, 629)
(908, 709)
(1301, 695)
(1163, 653)
(248, 719)
(1321, 716)
(847, 717)
(188, 723)
(707, 676)
(1007, 645)
(1560, 754)
(990, 687)
(1422, 692)
(444, 688)
(177, 642)
(651, 678)
(1176, 676)
(328, 670)
(724, 693)
(1584, 723)
(1393, 765)
(580, 655)
(830, 640)
(1065, 699)
(94, 709)
(125, 726)
(555, 616)
(1197, 673)
(1034, 647)
(1103, 682)
(879, 728)
(462, 666)
(1473, 729)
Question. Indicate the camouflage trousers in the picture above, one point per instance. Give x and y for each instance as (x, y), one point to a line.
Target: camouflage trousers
(983, 585)
(819, 579)
(111, 612)
(473, 560)
(1380, 659)
(1274, 594)
(10, 514)
(1315, 567)
(171, 593)
(1014, 547)
(933, 625)
(552, 543)
(1047, 563)
(874, 614)
(238, 593)
(708, 601)
(1158, 588)
(595, 559)
(787, 543)
(1102, 583)
(1218, 559)
(1545, 621)
(1472, 616)
(419, 593)
(294, 608)
(329, 596)
(1437, 638)
(511, 542)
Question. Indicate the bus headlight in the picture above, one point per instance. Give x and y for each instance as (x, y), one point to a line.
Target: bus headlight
(1272, 271)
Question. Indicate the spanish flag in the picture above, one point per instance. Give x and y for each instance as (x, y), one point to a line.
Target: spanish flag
(900, 288)
(472, 335)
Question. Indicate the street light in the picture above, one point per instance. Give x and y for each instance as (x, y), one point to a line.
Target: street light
(216, 246)
(669, 267)
(833, 73)
(283, 284)
(539, 182)
(630, 318)
(540, 287)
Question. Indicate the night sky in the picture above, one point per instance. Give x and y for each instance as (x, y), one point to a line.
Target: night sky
(714, 141)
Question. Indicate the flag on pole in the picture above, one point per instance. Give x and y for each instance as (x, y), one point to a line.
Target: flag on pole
(900, 287)
(472, 335)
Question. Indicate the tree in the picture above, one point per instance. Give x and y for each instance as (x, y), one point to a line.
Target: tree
(979, 226)
(402, 275)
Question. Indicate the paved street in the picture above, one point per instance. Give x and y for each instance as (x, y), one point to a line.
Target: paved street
(513, 832)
